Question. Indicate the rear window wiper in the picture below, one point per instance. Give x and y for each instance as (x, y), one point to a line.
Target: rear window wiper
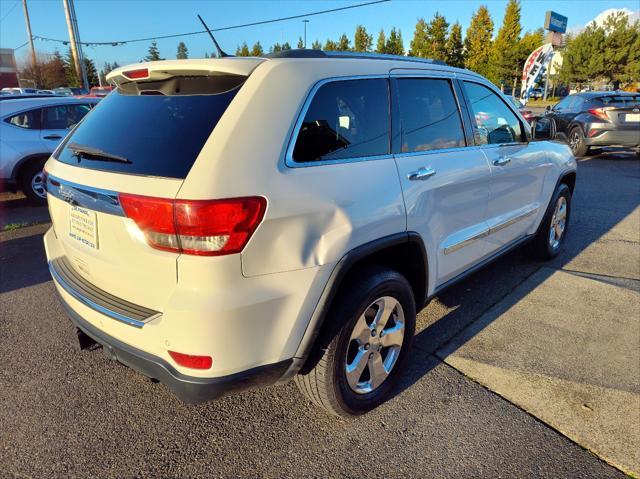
(83, 151)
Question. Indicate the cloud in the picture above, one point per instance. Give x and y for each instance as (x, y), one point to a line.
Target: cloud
(632, 15)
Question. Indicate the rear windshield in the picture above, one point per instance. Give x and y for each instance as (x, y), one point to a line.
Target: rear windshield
(623, 101)
(145, 132)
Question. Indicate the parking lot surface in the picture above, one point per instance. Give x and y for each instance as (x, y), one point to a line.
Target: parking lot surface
(78, 414)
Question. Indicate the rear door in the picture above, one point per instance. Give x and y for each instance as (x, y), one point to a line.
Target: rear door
(58, 120)
(132, 143)
(444, 181)
(518, 167)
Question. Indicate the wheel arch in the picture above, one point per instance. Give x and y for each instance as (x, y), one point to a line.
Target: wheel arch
(404, 252)
(19, 166)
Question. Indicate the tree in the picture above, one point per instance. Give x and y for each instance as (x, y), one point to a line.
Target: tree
(316, 45)
(154, 53)
(419, 45)
(455, 47)
(330, 45)
(478, 41)
(437, 37)
(54, 73)
(182, 52)
(621, 53)
(344, 43)
(381, 43)
(286, 46)
(506, 49)
(362, 41)
(395, 45)
(91, 71)
(243, 50)
(256, 50)
(300, 43)
(70, 69)
(275, 48)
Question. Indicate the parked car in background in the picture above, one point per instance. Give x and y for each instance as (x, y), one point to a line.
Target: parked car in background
(45, 92)
(70, 91)
(214, 263)
(595, 119)
(526, 113)
(100, 91)
(20, 91)
(536, 94)
(30, 129)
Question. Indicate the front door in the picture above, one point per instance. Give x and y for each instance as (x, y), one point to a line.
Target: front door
(444, 182)
(518, 167)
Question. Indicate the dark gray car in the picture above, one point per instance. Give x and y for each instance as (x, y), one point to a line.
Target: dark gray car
(597, 119)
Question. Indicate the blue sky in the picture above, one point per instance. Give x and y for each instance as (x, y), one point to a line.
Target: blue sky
(100, 20)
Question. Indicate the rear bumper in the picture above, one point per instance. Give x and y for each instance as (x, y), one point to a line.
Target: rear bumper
(190, 389)
(629, 138)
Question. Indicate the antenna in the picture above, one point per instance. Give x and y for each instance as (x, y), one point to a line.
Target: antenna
(221, 54)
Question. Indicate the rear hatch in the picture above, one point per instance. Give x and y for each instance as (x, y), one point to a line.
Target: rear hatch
(112, 181)
(622, 109)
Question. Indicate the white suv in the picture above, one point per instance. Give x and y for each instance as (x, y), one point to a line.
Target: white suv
(226, 223)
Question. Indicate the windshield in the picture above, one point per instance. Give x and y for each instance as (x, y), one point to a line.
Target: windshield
(159, 135)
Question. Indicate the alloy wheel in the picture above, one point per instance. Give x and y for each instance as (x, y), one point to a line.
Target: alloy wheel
(38, 186)
(558, 222)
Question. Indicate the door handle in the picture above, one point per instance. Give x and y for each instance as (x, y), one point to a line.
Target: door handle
(502, 161)
(52, 137)
(421, 173)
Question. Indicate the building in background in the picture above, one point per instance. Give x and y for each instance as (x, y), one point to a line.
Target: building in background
(8, 69)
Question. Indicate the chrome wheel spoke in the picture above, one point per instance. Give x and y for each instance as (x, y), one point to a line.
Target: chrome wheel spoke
(361, 330)
(387, 307)
(392, 336)
(356, 368)
(377, 371)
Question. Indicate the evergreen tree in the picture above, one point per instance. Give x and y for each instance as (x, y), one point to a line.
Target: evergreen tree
(276, 48)
(243, 50)
(91, 71)
(395, 45)
(506, 48)
(381, 43)
(206, 54)
(455, 47)
(344, 43)
(419, 45)
(300, 42)
(54, 73)
(330, 45)
(286, 46)
(256, 50)
(70, 69)
(316, 45)
(437, 37)
(621, 53)
(478, 41)
(183, 51)
(362, 41)
(154, 53)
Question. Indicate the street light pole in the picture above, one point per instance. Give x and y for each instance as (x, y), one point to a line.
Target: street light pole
(74, 41)
(305, 32)
(26, 18)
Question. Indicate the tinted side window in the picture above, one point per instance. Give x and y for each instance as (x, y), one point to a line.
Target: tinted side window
(28, 119)
(564, 103)
(496, 123)
(63, 117)
(429, 116)
(346, 119)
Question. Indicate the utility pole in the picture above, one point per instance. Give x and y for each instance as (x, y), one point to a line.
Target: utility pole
(74, 40)
(26, 18)
(305, 32)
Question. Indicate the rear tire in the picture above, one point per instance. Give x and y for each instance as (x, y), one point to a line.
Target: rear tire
(556, 221)
(32, 182)
(364, 347)
(576, 142)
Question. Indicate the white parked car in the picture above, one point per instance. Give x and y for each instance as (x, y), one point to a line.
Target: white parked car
(30, 129)
(227, 223)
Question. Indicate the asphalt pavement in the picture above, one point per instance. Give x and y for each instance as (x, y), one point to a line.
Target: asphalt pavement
(65, 413)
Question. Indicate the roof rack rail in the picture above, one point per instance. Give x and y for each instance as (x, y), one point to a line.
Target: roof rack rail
(305, 53)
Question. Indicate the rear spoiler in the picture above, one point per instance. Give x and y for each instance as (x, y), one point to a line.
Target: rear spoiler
(161, 70)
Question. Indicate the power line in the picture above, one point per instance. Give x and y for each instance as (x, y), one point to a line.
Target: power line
(10, 10)
(232, 27)
(23, 45)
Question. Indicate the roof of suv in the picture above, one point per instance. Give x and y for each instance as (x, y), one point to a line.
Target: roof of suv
(246, 65)
(19, 104)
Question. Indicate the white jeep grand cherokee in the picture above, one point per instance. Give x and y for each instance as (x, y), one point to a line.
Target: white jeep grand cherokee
(226, 223)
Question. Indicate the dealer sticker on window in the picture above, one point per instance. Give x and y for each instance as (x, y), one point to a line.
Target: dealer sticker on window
(83, 226)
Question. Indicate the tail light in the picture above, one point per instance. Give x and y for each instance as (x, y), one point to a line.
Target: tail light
(136, 74)
(191, 361)
(197, 227)
(600, 113)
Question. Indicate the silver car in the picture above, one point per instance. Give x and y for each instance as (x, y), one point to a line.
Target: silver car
(30, 130)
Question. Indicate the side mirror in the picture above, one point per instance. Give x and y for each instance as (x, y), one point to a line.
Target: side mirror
(548, 108)
(543, 129)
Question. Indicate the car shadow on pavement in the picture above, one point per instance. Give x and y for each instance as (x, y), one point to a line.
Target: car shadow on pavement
(15, 209)
(23, 261)
(611, 196)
